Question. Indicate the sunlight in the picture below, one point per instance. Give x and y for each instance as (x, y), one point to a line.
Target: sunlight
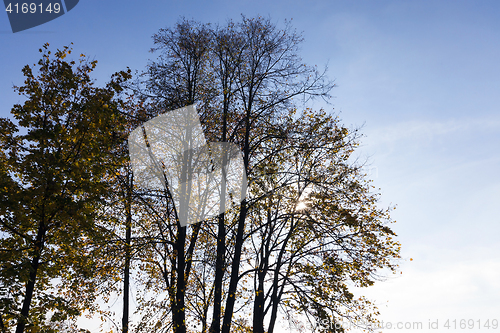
(301, 206)
(303, 202)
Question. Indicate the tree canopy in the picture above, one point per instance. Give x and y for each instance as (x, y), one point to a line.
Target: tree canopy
(75, 225)
(53, 165)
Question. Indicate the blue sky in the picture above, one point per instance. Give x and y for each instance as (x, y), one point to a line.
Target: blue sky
(422, 77)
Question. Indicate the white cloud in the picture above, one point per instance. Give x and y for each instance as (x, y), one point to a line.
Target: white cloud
(453, 290)
(428, 130)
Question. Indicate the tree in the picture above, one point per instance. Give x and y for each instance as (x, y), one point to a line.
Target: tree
(53, 171)
(317, 228)
(266, 255)
(74, 224)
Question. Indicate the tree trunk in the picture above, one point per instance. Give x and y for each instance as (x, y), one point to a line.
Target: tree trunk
(258, 305)
(126, 273)
(30, 286)
(259, 302)
(221, 236)
(219, 274)
(275, 296)
(231, 297)
(235, 265)
(179, 314)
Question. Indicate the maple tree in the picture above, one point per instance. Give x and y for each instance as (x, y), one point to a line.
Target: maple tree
(54, 162)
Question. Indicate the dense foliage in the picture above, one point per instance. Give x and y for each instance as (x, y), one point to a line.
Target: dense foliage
(74, 226)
